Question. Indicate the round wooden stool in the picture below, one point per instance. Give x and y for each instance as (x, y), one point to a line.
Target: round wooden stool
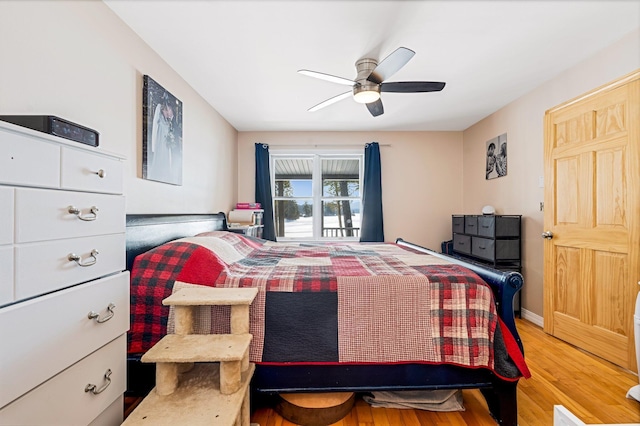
(315, 409)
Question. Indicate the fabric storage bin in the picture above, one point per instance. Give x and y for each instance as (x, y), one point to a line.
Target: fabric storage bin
(495, 250)
(471, 225)
(498, 226)
(457, 224)
(462, 243)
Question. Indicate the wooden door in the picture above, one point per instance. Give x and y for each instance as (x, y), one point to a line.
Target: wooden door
(592, 210)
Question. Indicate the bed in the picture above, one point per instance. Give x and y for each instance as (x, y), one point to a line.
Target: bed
(307, 334)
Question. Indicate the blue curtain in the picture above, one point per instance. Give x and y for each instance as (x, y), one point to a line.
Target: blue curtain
(263, 190)
(372, 229)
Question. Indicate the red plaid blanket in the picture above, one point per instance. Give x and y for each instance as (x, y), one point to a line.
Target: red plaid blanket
(365, 303)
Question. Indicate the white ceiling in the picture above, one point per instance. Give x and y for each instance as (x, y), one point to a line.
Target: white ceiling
(242, 56)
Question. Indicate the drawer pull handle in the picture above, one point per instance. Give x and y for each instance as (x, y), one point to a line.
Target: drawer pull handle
(92, 388)
(93, 213)
(96, 316)
(75, 258)
(101, 174)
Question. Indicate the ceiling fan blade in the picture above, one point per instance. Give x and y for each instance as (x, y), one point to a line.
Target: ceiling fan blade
(376, 108)
(412, 86)
(391, 64)
(330, 101)
(328, 77)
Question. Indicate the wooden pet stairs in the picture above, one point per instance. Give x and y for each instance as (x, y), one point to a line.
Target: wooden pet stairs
(201, 379)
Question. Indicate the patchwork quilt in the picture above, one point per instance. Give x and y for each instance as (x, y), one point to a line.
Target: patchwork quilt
(353, 303)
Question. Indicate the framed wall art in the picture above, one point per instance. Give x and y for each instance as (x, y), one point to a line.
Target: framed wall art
(161, 134)
(496, 162)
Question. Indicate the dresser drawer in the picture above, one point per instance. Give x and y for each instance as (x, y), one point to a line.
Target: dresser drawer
(471, 225)
(112, 415)
(43, 336)
(457, 223)
(498, 226)
(45, 266)
(62, 400)
(45, 214)
(495, 250)
(25, 160)
(6, 215)
(462, 243)
(6, 274)
(483, 248)
(86, 171)
(487, 226)
(507, 249)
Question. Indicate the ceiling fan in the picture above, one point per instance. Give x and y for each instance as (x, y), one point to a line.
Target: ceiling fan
(371, 81)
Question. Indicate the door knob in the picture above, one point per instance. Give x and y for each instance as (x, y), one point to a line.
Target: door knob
(548, 235)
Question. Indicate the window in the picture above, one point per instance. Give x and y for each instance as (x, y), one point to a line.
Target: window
(317, 196)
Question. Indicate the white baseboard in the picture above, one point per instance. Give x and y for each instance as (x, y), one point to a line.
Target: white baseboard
(534, 318)
(564, 417)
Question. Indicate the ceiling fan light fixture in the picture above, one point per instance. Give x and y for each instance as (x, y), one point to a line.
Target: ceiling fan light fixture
(366, 96)
(371, 81)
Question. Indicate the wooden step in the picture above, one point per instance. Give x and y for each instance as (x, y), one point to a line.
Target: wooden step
(197, 401)
(186, 300)
(199, 348)
(173, 352)
(199, 296)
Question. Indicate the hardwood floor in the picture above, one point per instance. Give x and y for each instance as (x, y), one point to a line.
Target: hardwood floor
(591, 388)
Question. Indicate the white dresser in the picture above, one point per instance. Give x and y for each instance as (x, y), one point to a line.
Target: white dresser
(64, 294)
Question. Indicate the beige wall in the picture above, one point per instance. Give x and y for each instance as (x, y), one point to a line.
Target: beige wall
(77, 60)
(421, 176)
(522, 120)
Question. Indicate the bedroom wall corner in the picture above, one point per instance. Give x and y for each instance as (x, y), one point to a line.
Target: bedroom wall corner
(79, 61)
(519, 192)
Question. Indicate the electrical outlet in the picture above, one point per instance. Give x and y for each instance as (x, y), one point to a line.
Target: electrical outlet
(541, 206)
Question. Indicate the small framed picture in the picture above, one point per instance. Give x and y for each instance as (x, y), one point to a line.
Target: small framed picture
(161, 134)
(496, 162)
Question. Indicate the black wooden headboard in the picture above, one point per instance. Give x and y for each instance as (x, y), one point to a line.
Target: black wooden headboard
(146, 231)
